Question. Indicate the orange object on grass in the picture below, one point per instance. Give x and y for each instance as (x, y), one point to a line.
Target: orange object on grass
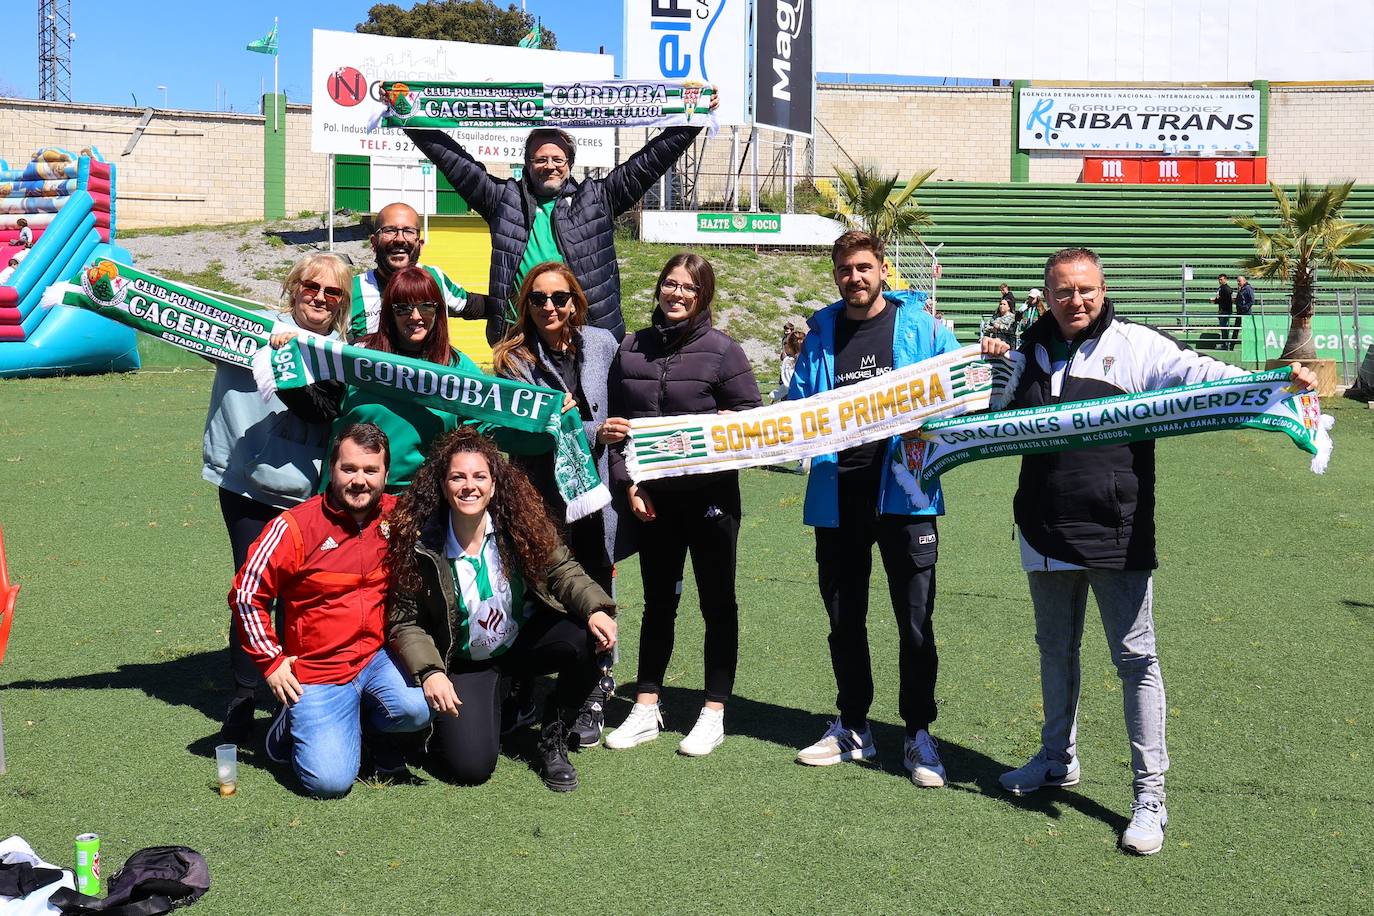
(8, 592)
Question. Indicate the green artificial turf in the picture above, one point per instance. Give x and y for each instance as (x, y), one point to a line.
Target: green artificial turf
(117, 675)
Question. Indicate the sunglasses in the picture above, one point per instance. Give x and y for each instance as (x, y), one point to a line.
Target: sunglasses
(560, 298)
(403, 309)
(331, 293)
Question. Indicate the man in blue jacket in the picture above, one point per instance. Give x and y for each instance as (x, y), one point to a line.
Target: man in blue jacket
(853, 502)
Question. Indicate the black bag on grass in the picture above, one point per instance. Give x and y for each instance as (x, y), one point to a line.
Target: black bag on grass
(154, 880)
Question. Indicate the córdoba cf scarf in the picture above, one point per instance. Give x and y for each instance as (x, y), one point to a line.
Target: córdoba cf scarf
(528, 418)
(593, 103)
(1261, 400)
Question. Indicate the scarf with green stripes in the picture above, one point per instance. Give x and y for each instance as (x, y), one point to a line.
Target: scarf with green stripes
(825, 423)
(529, 419)
(594, 103)
(1261, 400)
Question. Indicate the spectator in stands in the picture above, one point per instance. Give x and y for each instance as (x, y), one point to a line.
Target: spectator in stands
(1008, 296)
(25, 239)
(1086, 521)
(265, 456)
(1245, 304)
(397, 242)
(1223, 303)
(1003, 324)
(547, 215)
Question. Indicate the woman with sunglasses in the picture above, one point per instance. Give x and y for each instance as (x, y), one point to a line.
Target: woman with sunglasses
(266, 456)
(680, 364)
(413, 324)
(482, 589)
(549, 343)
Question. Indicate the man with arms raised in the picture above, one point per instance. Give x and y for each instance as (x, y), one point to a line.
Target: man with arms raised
(1086, 520)
(396, 241)
(853, 501)
(324, 560)
(548, 215)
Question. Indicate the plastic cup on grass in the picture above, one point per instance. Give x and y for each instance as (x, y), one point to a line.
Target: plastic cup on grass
(227, 767)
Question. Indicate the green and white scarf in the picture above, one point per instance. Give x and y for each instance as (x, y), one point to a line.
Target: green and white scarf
(879, 408)
(1261, 400)
(529, 418)
(220, 327)
(593, 103)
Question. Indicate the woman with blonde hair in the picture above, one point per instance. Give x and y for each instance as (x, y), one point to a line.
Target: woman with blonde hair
(549, 343)
(265, 456)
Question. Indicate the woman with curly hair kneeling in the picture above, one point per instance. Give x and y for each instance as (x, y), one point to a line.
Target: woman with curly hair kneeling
(481, 588)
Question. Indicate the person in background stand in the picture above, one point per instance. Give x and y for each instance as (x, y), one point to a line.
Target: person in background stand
(1245, 304)
(1223, 302)
(551, 344)
(680, 364)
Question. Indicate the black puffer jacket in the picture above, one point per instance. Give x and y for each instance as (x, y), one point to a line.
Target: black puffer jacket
(582, 218)
(668, 369)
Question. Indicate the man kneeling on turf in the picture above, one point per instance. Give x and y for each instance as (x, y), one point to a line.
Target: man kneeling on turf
(324, 560)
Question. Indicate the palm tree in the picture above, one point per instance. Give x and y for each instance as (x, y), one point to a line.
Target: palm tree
(864, 201)
(1310, 234)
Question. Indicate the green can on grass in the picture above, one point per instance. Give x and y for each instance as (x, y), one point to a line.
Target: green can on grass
(88, 863)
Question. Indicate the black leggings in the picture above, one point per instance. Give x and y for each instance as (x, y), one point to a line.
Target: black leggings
(704, 523)
(244, 518)
(470, 742)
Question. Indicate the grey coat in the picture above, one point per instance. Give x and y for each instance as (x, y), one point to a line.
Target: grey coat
(596, 351)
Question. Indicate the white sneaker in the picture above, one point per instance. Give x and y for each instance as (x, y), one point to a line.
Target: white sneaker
(1041, 772)
(1144, 836)
(706, 735)
(642, 724)
(921, 757)
(837, 745)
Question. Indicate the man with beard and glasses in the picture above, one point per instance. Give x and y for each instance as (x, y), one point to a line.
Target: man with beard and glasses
(853, 501)
(547, 215)
(324, 559)
(397, 241)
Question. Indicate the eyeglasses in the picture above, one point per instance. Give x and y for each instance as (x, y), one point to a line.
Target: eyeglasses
(409, 233)
(687, 289)
(331, 293)
(560, 298)
(555, 161)
(403, 309)
(1086, 293)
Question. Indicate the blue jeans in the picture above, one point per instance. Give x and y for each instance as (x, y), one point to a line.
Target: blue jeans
(326, 723)
(1125, 601)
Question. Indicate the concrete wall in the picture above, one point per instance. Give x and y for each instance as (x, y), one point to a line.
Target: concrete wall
(207, 167)
(1325, 133)
(188, 167)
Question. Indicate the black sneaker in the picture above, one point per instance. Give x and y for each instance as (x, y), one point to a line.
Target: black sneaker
(278, 745)
(517, 712)
(591, 718)
(555, 768)
(238, 722)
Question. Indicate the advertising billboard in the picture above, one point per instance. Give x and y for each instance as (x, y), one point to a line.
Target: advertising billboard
(1168, 120)
(692, 40)
(784, 77)
(348, 68)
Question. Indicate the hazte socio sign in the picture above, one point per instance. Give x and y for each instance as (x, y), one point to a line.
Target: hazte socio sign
(739, 222)
(1172, 120)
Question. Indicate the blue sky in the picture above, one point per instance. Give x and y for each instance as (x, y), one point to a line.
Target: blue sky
(127, 48)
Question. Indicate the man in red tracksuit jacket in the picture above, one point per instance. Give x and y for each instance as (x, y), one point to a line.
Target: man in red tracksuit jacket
(325, 560)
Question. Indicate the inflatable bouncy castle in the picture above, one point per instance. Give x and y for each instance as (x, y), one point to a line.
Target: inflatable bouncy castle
(67, 202)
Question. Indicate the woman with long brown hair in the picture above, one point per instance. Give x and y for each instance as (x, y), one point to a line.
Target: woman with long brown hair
(413, 324)
(482, 588)
(680, 364)
(550, 344)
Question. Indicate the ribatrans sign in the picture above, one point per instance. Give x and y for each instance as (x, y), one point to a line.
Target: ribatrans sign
(784, 78)
(1203, 120)
(691, 40)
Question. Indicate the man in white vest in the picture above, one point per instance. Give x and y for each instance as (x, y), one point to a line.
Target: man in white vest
(397, 241)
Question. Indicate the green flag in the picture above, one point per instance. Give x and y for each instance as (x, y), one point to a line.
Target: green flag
(534, 38)
(265, 45)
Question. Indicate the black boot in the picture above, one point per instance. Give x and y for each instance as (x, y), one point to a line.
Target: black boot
(238, 722)
(555, 768)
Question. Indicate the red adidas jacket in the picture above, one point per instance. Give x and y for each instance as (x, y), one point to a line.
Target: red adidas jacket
(332, 581)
